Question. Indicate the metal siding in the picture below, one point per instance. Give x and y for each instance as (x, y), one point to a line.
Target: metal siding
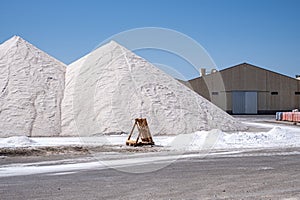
(245, 77)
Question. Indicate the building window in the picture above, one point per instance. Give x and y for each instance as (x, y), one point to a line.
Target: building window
(274, 93)
(297, 93)
(215, 93)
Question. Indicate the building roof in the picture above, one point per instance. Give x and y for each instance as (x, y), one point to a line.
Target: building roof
(250, 65)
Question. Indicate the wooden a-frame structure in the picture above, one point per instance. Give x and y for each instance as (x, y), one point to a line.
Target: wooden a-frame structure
(144, 136)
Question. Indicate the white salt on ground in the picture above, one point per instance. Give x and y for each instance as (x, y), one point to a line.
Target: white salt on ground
(17, 141)
(216, 139)
(277, 137)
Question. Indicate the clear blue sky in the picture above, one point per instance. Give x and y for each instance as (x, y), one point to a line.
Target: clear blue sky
(262, 32)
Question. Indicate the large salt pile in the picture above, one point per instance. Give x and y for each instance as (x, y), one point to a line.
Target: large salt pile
(31, 90)
(127, 87)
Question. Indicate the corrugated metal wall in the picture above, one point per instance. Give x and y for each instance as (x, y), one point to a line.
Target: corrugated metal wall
(246, 77)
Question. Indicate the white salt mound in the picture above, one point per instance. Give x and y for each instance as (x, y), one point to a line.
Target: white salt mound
(31, 90)
(125, 86)
(16, 141)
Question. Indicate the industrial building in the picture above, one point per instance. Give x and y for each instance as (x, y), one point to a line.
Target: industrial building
(248, 89)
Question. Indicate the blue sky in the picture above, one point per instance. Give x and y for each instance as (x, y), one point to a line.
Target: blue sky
(262, 32)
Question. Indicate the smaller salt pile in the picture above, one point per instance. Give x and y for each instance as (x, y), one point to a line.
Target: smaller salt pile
(16, 141)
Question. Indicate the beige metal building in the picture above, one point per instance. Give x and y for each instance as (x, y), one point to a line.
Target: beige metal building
(248, 89)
